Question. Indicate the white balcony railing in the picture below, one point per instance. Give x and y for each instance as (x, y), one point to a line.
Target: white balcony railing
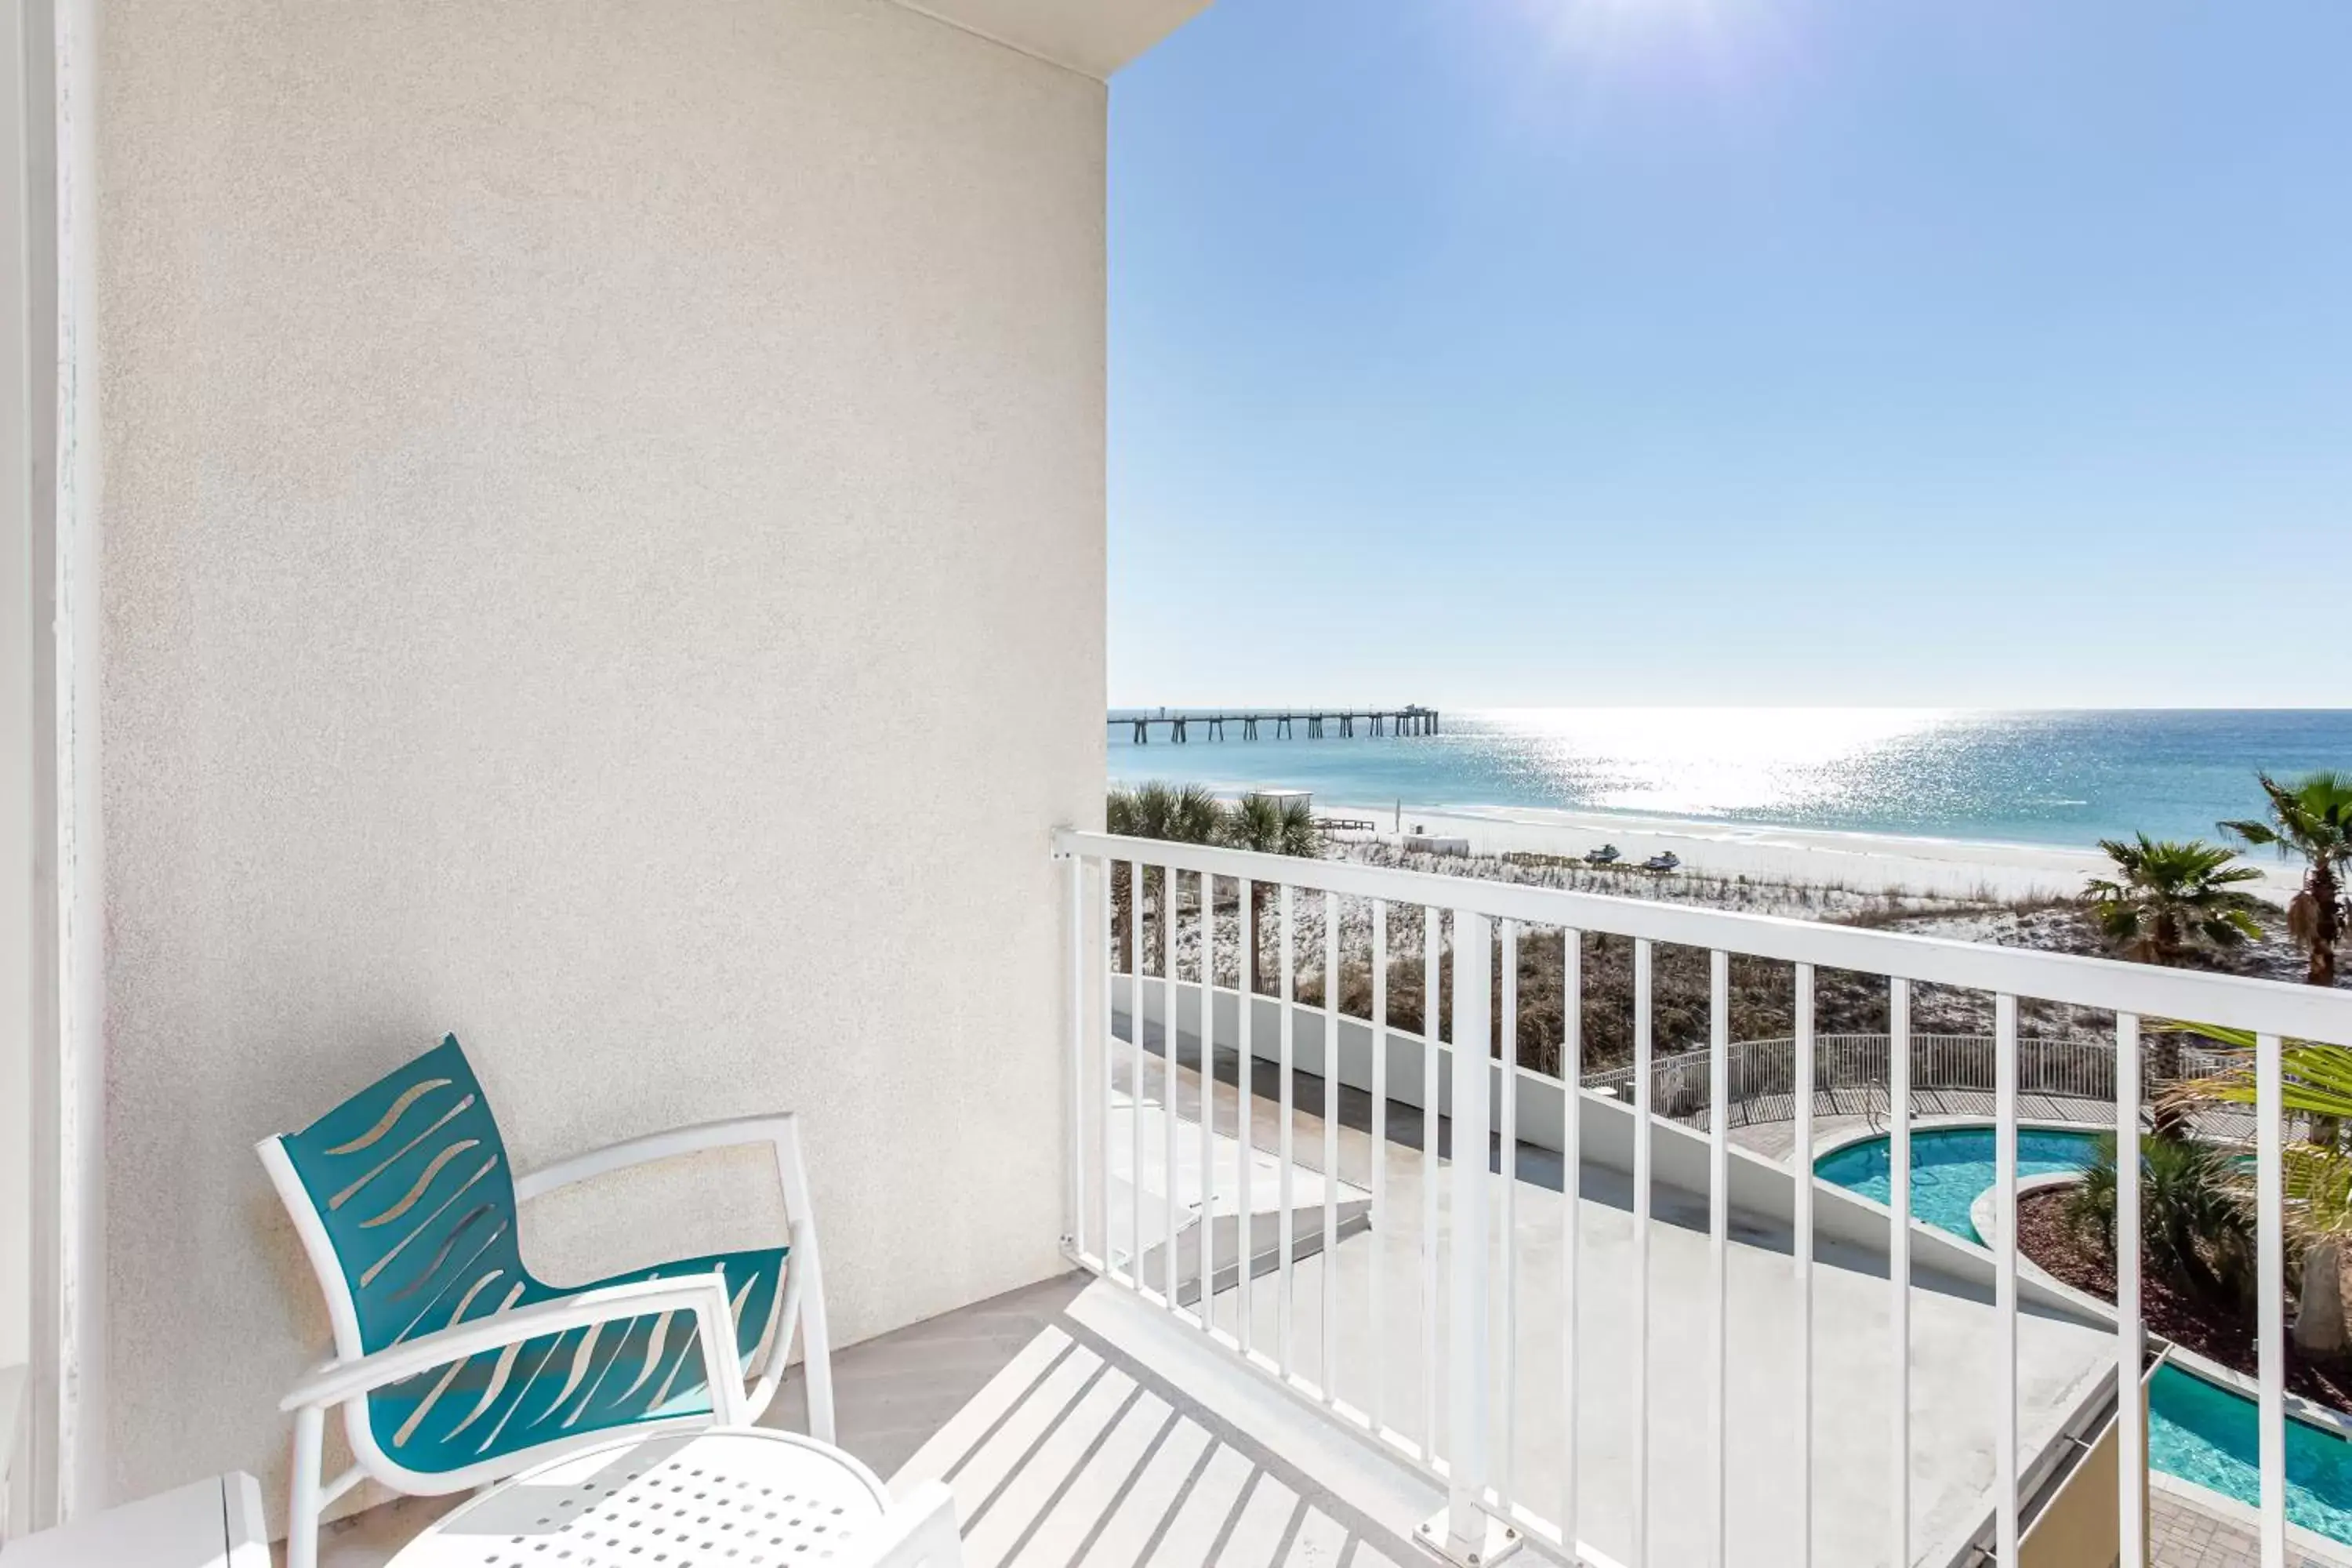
(1430, 1365)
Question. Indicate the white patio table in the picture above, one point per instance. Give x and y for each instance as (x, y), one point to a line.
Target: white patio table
(729, 1498)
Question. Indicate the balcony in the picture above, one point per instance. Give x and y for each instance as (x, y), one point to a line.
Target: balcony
(1397, 1346)
(1654, 1344)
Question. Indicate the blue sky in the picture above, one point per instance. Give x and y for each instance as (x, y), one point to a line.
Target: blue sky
(1594, 352)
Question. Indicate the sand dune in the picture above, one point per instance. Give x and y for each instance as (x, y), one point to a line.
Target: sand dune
(1868, 862)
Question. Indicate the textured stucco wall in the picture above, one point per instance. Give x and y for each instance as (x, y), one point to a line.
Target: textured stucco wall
(17, 358)
(1095, 36)
(604, 553)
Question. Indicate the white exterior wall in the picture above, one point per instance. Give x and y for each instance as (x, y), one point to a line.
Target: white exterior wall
(604, 553)
(16, 620)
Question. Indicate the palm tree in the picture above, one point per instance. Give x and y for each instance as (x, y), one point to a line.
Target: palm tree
(1183, 814)
(2195, 1231)
(1269, 825)
(2311, 817)
(1180, 814)
(2166, 899)
(2169, 898)
(2316, 1081)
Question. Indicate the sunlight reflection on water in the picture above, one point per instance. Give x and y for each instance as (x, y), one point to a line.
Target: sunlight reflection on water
(2034, 778)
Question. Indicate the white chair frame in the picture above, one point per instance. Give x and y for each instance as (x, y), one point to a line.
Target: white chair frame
(919, 1533)
(346, 1378)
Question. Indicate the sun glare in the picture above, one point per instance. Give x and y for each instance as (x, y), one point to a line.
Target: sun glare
(1718, 41)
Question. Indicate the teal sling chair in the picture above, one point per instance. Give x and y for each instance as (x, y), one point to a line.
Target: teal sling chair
(452, 1366)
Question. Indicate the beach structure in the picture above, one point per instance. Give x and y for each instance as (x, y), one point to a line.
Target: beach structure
(536, 444)
(1281, 723)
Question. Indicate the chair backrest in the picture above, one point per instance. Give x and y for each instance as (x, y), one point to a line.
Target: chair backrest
(405, 1202)
(919, 1533)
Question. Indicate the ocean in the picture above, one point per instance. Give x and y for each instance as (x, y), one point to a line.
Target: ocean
(2040, 777)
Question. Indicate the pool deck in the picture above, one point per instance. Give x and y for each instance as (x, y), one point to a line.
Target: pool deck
(2183, 1534)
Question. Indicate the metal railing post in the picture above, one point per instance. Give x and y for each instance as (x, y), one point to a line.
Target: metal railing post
(1466, 1506)
(1466, 1532)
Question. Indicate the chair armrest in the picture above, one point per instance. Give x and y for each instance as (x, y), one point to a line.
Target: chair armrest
(653, 1146)
(704, 1295)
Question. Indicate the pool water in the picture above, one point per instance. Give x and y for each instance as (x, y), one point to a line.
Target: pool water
(2196, 1430)
(2207, 1434)
(1951, 1167)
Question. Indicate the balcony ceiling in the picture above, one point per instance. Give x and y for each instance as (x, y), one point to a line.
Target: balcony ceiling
(1095, 36)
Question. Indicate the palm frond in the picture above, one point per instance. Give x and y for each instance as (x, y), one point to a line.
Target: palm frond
(2254, 833)
(2315, 1080)
(2318, 1188)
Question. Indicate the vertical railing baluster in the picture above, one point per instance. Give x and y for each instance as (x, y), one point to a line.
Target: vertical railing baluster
(1208, 1097)
(1168, 1250)
(1803, 1246)
(1135, 1073)
(1284, 1225)
(1898, 1251)
(1380, 1162)
(1109, 1041)
(1245, 1115)
(1326, 1370)
(2005, 1277)
(1643, 1096)
(1718, 1240)
(1074, 884)
(1430, 1104)
(2131, 1418)
(1571, 1198)
(1508, 1146)
(1468, 1385)
(2270, 1283)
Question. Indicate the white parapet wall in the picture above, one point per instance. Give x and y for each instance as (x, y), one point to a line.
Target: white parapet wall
(1762, 1189)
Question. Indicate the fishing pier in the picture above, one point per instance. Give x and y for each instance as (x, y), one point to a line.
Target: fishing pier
(1283, 724)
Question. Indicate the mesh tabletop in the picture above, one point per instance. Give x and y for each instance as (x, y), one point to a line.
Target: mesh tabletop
(741, 1498)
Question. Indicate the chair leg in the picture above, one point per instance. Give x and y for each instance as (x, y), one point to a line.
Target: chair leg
(806, 1266)
(820, 1388)
(303, 1508)
(816, 1352)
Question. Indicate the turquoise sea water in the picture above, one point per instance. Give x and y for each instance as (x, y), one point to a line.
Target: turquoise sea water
(2060, 778)
(2196, 1430)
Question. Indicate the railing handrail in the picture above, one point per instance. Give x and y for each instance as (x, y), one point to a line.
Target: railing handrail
(2263, 1006)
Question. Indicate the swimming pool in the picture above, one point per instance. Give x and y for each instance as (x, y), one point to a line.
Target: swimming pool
(1951, 1167)
(2196, 1430)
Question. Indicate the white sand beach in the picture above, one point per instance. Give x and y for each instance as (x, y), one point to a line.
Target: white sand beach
(1866, 862)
